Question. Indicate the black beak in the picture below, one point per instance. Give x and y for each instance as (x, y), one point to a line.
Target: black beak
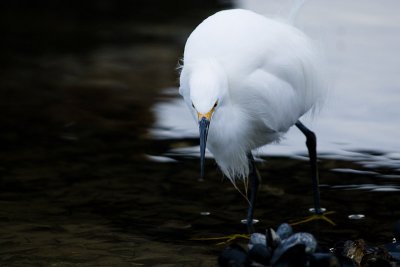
(203, 128)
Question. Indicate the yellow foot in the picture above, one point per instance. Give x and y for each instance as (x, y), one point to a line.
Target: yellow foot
(224, 239)
(316, 217)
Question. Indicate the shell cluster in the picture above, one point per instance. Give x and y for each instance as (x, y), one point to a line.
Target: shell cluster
(284, 248)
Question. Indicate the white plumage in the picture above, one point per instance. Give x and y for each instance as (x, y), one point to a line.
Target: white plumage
(263, 75)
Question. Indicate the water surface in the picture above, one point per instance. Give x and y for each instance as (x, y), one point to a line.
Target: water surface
(99, 165)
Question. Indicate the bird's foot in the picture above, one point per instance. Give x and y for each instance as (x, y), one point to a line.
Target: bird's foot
(314, 217)
(223, 239)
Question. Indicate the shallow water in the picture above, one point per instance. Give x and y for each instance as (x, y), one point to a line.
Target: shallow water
(90, 178)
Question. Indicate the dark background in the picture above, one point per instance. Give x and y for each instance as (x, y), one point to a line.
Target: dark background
(77, 83)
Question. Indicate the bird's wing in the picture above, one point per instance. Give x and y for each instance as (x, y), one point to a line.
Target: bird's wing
(270, 100)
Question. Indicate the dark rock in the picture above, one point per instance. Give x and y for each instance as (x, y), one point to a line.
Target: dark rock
(295, 241)
(260, 254)
(272, 239)
(233, 256)
(284, 231)
(294, 256)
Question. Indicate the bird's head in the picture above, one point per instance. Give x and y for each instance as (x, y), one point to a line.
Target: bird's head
(208, 89)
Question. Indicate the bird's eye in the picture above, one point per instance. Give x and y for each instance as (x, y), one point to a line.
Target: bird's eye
(216, 104)
(193, 105)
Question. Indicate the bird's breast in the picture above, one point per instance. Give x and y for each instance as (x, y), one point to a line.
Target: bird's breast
(235, 131)
(232, 135)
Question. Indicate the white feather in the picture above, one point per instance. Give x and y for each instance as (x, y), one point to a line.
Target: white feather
(264, 73)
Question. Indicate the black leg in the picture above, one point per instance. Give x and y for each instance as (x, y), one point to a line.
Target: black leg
(254, 179)
(311, 143)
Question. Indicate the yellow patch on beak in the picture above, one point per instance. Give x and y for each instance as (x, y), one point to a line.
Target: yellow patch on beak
(207, 115)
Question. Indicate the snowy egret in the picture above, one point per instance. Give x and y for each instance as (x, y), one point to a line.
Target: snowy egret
(246, 80)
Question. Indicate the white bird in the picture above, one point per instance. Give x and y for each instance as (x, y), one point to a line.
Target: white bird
(247, 79)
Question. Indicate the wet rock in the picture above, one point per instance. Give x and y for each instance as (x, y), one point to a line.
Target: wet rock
(338, 251)
(284, 231)
(292, 257)
(296, 246)
(257, 238)
(272, 239)
(233, 256)
(358, 253)
(284, 248)
(260, 254)
(354, 250)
